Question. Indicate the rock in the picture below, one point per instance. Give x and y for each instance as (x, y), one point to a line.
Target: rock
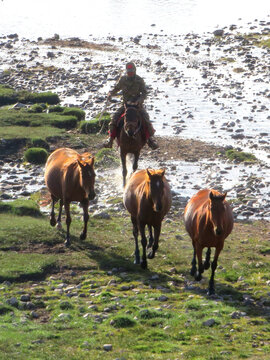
(107, 347)
(13, 302)
(64, 316)
(219, 32)
(209, 322)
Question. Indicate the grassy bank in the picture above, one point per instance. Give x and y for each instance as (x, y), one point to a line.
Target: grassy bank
(70, 303)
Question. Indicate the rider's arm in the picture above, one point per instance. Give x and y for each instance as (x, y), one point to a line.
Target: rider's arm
(143, 92)
(116, 88)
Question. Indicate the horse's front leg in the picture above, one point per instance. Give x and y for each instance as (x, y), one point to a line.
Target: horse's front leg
(59, 224)
(85, 204)
(68, 221)
(152, 253)
(135, 161)
(198, 274)
(135, 234)
(206, 263)
(193, 262)
(151, 239)
(52, 215)
(144, 243)
(211, 289)
(124, 167)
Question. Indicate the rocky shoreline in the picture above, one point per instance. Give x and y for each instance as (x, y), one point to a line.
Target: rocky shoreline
(225, 69)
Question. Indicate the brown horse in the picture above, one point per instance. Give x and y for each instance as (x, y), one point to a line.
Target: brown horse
(131, 138)
(208, 220)
(70, 176)
(147, 197)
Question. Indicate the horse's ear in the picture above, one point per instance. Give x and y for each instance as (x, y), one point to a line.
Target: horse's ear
(162, 173)
(92, 161)
(148, 173)
(81, 164)
(223, 196)
(211, 195)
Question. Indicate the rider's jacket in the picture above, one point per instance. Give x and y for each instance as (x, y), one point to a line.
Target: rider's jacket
(133, 88)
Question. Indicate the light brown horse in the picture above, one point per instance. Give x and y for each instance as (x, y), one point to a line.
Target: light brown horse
(147, 197)
(70, 176)
(131, 138)
(208, 220)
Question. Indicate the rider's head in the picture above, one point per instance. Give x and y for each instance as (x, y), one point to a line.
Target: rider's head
(131, 69)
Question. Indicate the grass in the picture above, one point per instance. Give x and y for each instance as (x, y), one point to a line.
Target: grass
(240, 156)
(10, 96)
(92, 294)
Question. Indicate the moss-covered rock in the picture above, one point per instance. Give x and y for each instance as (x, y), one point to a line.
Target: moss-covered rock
(40, 143)
(36, 155)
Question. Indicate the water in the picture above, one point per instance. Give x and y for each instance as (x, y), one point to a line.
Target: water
(123, 17)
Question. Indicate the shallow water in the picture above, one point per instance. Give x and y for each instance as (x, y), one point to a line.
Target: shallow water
(123, 17)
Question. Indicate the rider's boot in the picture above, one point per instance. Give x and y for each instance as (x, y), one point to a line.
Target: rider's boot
(152, 143)
(108, 143)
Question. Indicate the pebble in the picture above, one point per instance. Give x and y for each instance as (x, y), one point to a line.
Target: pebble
(107, 347)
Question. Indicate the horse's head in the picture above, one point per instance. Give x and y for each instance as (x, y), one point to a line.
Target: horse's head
(217, 211)
(156, 188)
(132, 121)
(86, 164)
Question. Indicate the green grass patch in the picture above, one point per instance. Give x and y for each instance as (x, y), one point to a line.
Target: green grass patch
(106, 158)
(240, 156)
(20, 267)
(92, 293)
(10, 96)
(96, 125)
(21, 208)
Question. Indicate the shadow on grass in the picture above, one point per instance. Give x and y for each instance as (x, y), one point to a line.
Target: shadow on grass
(107, 260)
(239, 299)
(35, 276)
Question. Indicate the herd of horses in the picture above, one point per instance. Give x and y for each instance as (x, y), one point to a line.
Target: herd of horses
(208, 217)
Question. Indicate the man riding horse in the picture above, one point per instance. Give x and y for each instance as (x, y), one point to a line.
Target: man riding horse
(134, 93)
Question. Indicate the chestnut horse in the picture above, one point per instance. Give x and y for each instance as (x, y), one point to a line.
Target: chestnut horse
(208, 220)
(131, 138)
(147, 197)
(70, 176)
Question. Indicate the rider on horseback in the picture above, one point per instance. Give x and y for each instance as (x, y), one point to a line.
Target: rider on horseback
(134, 93)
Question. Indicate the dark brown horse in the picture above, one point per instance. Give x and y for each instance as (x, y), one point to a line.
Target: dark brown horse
(208, 220)
(131, 138)
(147, 197)
(70, 177)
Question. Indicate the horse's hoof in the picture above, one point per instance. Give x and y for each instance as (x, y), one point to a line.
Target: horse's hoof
(144, 265)
(53, 222)
(137, 262)
(198, 277)
(67, 243)
(59, 225)
(83, 236)
(211, 292)
(151, 255)
(193, 272)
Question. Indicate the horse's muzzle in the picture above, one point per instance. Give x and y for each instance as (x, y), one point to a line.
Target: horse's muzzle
(157, 207)
(91, 195)
(130, 133)
(218, 231)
